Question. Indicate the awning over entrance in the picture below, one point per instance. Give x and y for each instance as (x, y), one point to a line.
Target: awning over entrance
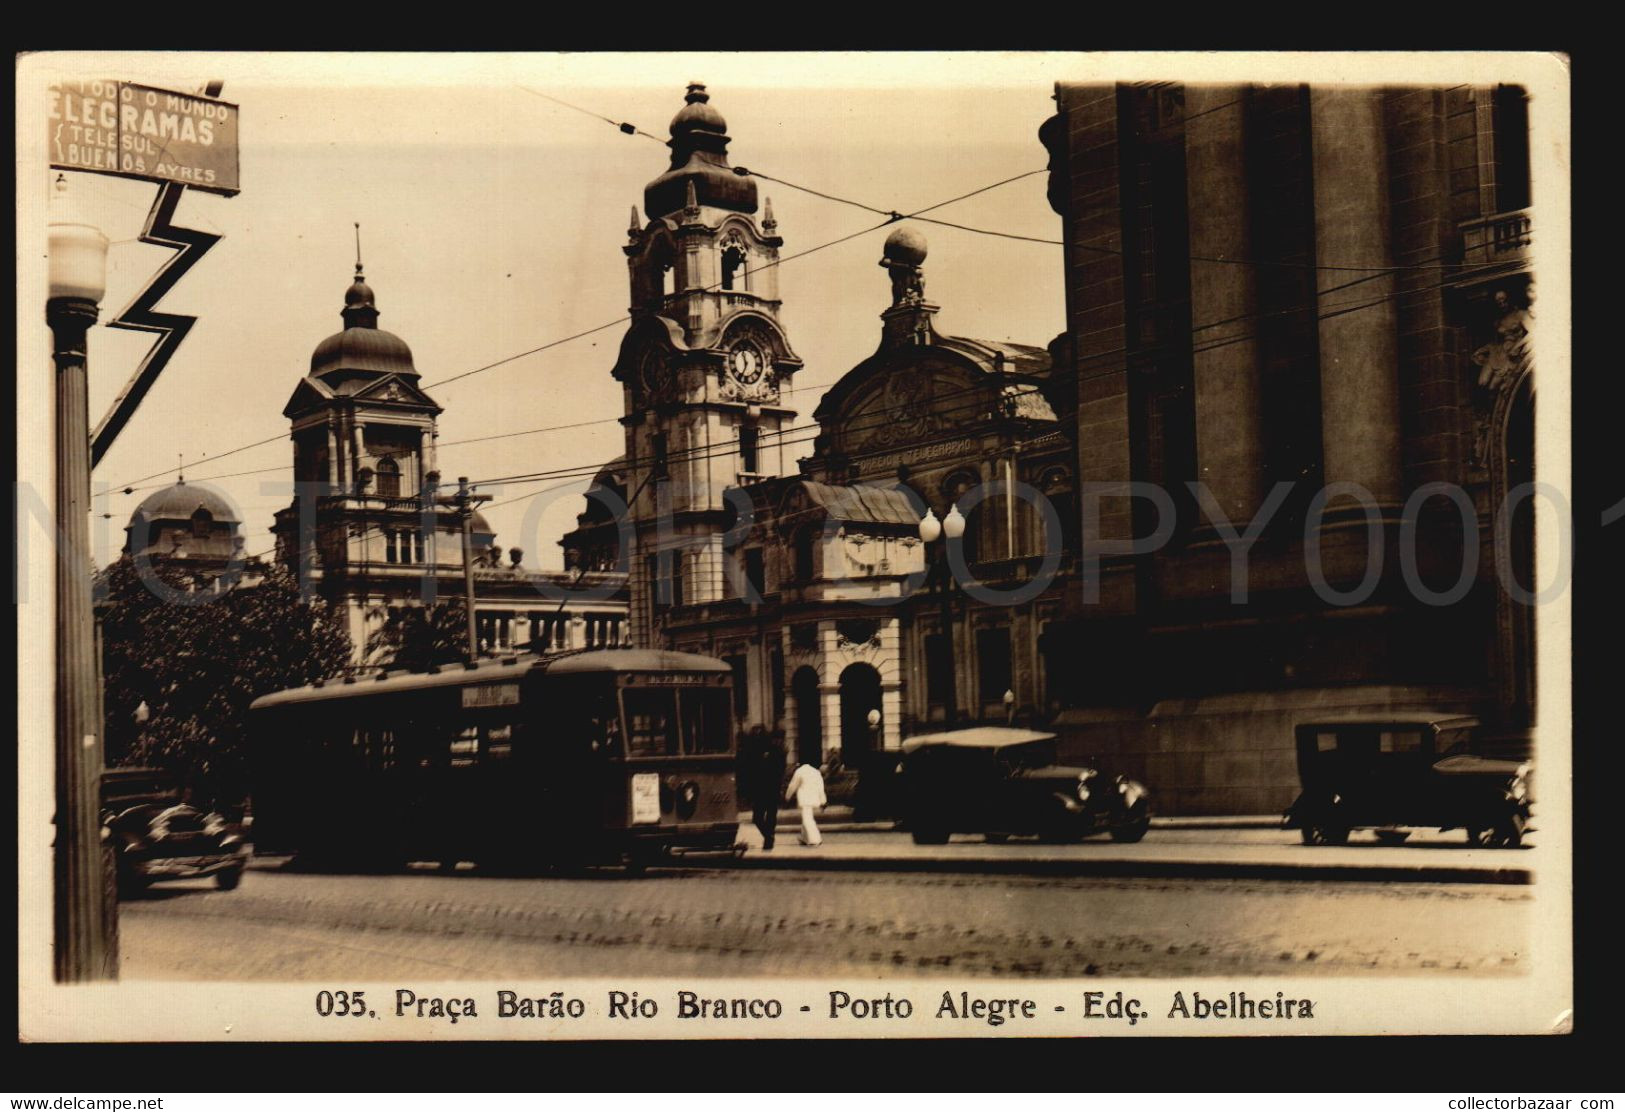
(854, 504)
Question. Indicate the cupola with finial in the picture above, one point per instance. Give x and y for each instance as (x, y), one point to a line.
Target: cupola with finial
(362, 348)
(699, 164)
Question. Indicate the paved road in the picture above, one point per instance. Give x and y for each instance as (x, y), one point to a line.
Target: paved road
(283, 925)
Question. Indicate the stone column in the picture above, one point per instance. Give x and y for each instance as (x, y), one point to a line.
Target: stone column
(829, 698)
(1359, 358)
(891, 711)
(1228, 449)
(335, 458)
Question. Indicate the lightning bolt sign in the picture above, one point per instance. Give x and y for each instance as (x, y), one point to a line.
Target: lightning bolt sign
(190, 245)
(140, 315)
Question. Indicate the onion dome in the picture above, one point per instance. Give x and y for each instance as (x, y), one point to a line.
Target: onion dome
(699, 142)
(362, 346)
(904, 247)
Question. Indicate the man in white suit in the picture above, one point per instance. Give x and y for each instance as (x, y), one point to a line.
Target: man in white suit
(806, 791)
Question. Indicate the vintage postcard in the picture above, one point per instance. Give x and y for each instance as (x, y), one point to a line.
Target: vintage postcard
(547, 547)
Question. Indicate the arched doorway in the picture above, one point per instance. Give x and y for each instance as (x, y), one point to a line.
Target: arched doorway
(860, 694)
(809, 718)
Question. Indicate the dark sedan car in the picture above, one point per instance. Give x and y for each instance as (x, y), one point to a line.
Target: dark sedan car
(156, 835)
(1393, 772)
(1001, 781)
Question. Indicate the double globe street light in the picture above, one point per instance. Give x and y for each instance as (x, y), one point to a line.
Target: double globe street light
(950, 529)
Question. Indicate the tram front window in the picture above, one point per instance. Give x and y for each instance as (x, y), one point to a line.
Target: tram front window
(705, 720)
(651, 723)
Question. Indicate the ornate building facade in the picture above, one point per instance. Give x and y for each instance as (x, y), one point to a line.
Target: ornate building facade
(369, 526)
(1279, 291)
(809, 575)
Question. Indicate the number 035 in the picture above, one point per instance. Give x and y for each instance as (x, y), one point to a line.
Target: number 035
(340, 1003)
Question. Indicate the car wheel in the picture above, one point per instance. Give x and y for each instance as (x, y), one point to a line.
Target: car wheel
(227, 879)
(1392, 837)
(1320, 834)
(1133, 830)
(1506, 834)
(930, 837)
(998, 838)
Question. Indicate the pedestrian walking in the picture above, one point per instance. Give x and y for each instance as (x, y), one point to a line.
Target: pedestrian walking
(763, 779)
(807, 790)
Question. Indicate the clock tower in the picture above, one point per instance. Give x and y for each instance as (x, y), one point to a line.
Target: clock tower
(704, 367)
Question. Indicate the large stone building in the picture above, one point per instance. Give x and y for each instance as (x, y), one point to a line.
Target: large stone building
(369, 526)
(810, 575)
(1319, 287)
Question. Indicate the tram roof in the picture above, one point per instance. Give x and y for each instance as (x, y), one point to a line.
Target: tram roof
(597, 661)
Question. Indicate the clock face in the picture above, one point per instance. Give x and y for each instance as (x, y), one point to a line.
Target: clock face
(655, 373)
(746, 364)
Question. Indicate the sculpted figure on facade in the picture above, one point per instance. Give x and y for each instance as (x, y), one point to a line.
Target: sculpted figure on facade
(1502, 363)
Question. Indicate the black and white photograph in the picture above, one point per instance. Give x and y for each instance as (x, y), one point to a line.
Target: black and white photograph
(792, 545)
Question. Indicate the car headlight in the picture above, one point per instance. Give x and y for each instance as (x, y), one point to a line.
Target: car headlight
(1083, 790)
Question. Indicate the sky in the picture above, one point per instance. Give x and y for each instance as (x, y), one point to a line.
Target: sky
(492, 221)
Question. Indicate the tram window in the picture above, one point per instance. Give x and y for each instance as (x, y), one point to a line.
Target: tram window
(705, 720)
(465, 746)
(651, 725)
(601, 725)
(1401, 741)
(499, 741)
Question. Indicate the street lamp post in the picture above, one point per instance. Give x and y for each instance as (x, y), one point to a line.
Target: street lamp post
(86, 932)
(949, 529)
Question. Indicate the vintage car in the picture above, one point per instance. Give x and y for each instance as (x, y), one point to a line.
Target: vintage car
(1001, 781)
(158, 836)
(1397, 771)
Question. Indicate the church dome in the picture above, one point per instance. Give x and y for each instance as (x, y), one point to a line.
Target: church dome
(180, 502)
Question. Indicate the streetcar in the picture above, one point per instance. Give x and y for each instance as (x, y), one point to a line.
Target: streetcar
(611, 755)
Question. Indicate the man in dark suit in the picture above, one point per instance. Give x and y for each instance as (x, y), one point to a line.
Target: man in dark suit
(765, 779)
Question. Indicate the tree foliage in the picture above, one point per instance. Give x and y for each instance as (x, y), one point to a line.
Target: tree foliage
(415, 637)
(197, 665)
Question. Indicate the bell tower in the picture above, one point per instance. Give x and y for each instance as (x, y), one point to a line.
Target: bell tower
(704, 368)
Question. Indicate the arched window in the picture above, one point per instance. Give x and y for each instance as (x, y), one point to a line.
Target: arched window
(733, 261)
(201, 520)
(389, 479)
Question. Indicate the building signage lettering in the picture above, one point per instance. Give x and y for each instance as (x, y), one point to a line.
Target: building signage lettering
(925, 453)
(491, 695)
(135, 131)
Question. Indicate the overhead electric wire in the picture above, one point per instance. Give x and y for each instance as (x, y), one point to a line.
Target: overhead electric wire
(892, 217)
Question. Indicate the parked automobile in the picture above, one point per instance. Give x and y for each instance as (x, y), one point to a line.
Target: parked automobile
(1392, 772)
(158, 836)
(1001, 781)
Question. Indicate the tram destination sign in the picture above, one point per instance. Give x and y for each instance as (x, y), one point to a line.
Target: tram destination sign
(137, 131)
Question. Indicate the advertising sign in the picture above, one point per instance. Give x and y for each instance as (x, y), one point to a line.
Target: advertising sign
(136, 131)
